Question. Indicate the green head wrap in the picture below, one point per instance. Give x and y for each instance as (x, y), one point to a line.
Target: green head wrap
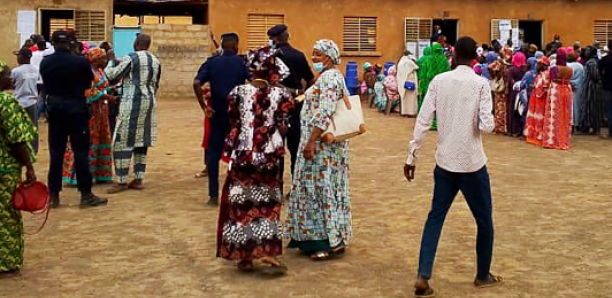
(437, 48)
(3, 66)
(427, 51)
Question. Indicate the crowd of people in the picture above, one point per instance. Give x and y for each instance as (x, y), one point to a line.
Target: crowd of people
(98, 113)
(540, 96)
(101, 114)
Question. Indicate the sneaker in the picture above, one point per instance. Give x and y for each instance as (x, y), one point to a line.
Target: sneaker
(55, 201)
(92, 201)
(214, 201)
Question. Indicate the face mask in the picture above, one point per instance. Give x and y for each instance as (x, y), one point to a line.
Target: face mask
(318, 67)
(271, 43)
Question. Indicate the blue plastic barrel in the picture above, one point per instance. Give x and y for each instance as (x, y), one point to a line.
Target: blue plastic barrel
(352, 77)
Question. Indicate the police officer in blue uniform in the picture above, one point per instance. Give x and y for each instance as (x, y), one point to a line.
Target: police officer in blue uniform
(66, 77)
(224, 72)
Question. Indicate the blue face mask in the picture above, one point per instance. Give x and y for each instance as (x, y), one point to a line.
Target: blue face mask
(271, 43)
(318, 67)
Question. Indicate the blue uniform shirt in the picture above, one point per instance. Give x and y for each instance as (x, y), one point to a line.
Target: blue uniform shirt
(224, 73)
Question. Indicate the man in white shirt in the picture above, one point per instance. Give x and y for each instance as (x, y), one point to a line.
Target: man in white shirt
(25, 77)
(461, 100)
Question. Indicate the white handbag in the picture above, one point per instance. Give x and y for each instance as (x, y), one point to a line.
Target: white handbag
(347, 121)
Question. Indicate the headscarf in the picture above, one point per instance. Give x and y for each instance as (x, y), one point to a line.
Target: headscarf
(518, 60)
(94, 54)
(479, 51)
(380, 77)
(569, 50)
(437, 49)
(330, 48)
(491, 57)
(265, 61)
(533, 63)
(86, 47)
(426, 53)
(544, 60)
(390, 82)
(367, 66)
(561, 57)
(539, 54)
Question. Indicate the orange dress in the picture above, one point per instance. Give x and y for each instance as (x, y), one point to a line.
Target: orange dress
(537, 105)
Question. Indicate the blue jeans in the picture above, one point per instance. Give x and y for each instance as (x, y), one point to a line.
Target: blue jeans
(476, 189)
(608, 107)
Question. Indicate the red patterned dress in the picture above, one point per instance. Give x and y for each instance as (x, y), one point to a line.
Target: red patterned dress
(537, 104)
(249, 220)
(558, 114)
(100, 153)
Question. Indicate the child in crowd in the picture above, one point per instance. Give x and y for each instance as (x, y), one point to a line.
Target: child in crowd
(390, 84)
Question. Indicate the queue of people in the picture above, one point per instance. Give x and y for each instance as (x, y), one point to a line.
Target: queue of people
(74, 88)
(546, 97)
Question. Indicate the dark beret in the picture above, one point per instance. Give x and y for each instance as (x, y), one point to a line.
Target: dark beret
(277, 30)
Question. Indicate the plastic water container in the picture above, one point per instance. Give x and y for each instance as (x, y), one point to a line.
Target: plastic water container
(387, 66)
(352, 77)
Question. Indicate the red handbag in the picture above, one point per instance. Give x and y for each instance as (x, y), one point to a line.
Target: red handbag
(33, 199)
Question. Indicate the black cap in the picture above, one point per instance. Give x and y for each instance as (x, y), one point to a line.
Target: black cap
(60, 36)
(24, 52)
(277, 30)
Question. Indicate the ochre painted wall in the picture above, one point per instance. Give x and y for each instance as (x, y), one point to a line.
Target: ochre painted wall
(310, 20)
(9, 39)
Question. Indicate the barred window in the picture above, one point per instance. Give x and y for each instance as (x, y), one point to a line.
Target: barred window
(360, 34)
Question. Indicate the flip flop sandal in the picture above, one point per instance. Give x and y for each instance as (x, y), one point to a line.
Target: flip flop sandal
(427, 293)
(202, 174)
(273, 267)
(320, 256)
(494, 282)
(246, 266)
(338, 251)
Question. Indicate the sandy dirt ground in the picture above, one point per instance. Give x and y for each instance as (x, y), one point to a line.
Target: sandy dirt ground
(553, 232)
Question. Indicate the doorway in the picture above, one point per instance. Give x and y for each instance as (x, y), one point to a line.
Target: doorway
(450, 29)
(52, 20)
(532, 32)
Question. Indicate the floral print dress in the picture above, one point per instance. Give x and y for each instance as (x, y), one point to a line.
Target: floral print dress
(15, 127)
(249, 220)
(319, 211)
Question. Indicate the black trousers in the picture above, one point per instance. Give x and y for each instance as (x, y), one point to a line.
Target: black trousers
(293, 144)
(68, 118)
(218, 131)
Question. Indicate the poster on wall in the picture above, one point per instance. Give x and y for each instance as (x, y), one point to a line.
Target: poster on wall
(422, 45)
(515, 38)
(505, 28)
(412, 47)
(26, 21)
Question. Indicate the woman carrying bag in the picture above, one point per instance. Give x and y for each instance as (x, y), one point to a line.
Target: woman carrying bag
(319, 212)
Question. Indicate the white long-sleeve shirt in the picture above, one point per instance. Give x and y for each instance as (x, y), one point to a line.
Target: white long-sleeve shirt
(462, 102)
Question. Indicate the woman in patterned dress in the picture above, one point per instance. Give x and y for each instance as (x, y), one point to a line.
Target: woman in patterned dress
(537, 103)
(16, 136)
(558, 110)
(319, 211)
(498, 87)
(100, 153)
(249, 225)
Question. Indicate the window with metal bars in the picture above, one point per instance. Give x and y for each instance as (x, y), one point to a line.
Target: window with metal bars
(258, 25)
(602, 31)
(90, 25)
(360, 34)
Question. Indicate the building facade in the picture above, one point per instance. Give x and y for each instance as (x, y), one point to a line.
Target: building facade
(377, 30)
(92, 21)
